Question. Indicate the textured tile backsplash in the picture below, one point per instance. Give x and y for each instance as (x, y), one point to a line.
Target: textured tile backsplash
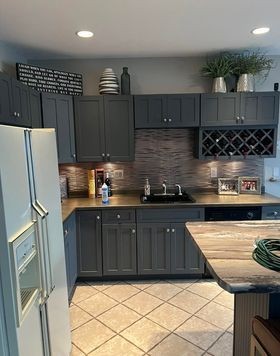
(162, 154)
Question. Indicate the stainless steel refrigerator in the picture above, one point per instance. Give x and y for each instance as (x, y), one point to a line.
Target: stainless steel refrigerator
(34, 314)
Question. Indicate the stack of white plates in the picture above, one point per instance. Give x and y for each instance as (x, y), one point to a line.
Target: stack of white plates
(109, 83)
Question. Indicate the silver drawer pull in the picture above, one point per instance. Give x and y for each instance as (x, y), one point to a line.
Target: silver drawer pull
(275, 213)
(167, 230)
(118, 216)
(164, 120)
(133, 231)
(169, 120)
(98, 217)
(172, 230)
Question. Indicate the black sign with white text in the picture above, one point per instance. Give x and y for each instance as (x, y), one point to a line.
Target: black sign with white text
(49, 80)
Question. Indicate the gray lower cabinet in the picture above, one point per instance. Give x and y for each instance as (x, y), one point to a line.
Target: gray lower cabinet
(153, 247)
(271, 212)
(119, 249)
(21, 103)
(35, 108)
(58, 114)
(70, 245)
(231, 109)
(89, 243)
(166, 111)
(104, 128)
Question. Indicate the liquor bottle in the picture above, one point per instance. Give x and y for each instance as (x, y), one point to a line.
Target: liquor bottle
(109, 185)
(147, 187)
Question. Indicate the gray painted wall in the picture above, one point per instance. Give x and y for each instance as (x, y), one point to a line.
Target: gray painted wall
(9, 55)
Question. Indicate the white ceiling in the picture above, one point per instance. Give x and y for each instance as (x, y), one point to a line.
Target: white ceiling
(137, 28)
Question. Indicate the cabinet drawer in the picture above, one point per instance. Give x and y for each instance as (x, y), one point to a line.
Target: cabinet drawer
(170, 215)
(118, 216)
(271, 212)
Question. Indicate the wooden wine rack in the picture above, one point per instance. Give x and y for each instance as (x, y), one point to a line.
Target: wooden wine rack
(237, 143)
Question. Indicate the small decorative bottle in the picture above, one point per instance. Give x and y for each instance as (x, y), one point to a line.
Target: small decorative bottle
(105, 198)
(109, 184)
(125, 82)
(147, 188)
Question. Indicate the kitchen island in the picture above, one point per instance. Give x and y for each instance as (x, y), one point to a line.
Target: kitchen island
(227, 249)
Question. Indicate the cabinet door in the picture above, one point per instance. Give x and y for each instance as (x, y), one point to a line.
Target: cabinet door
(67, 260)
(89, 126)
(259, 108)
(153, 248)
(89, 243)
(21, 103)
(150, 111)
(6, 113)
(72, 251)
(58, 113)
(35, 108)
(119, 128)
(185, 256)
(183, 110)
(119, 249)
(220, 109)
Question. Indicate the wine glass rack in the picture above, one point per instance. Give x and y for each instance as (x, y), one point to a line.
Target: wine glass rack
(237, 143)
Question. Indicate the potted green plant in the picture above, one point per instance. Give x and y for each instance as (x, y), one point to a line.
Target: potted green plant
(247, 65)
(218, 68)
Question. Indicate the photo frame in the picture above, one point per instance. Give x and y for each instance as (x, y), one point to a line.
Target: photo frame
(228, 186)
(249, 185)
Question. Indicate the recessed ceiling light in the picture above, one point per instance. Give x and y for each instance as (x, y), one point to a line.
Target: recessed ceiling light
(84, 34)
(260, 30)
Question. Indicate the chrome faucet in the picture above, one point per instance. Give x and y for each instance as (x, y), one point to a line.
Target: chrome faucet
(179, 189)
(164, 187)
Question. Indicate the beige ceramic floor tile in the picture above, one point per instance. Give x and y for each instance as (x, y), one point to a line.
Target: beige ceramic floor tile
(102, 285)
(145, 334)
(224, 346)
(97, 304)
(168, 316)
(174, 345)
(119, 318)
(230, 329)
(121, 291)
(143, 284)
(163, 290)
(78, 317)
(199, 332)
(91, 335)
(143, 303)
(207, 289)
(189, 302)
(226, 299)
(76, 352)
(216, 314)
(117, 346)
(82, 292)
(182, 283)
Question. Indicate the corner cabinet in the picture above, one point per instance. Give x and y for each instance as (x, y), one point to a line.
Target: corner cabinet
(166, 111)
(104, 128)
(89, 243)
(240, 109)
(58, 114)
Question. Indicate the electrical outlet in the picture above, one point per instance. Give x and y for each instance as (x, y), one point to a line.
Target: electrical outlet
(276, 172)
(118, 174)
(213, 172)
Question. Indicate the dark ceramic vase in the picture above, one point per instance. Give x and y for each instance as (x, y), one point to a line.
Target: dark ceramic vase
(125, 82)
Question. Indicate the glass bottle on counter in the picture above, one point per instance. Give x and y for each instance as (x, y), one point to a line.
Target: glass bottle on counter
(147, 188)
(109, 184)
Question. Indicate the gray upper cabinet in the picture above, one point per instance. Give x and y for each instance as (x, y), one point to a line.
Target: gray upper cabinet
(6, 100)
(58, 113)
(21, 103)
(35, 108)
(89, 243)
(166, 111)
(104, 128)
(231, 109)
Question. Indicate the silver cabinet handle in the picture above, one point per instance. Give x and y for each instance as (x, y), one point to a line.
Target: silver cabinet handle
(103, 155)
(74, 155)
(169, 120)
(108, 154)
(237, 119)
(98, 217)
(133, 231)
(18, 114)
(172, 230)
(118, 216)
(65, 232)
(275, 213)
(15, 114)
(164, 120)
(242, 118)
(167, 230)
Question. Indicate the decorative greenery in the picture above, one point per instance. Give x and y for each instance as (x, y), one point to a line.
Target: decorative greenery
(251, 62)
(221, 66)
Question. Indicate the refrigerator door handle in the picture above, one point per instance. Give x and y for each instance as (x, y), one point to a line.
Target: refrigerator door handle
(48, 255)
(45, 211)
(45, 329)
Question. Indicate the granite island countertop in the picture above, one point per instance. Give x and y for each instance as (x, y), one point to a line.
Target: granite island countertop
(133, 201)
(227, 247)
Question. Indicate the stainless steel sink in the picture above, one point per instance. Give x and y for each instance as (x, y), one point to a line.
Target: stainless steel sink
(167, 198)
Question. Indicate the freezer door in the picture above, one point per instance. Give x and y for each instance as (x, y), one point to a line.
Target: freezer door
(47, 197)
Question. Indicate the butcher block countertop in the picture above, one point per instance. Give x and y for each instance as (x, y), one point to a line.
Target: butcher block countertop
(227, 247)
(133, 201)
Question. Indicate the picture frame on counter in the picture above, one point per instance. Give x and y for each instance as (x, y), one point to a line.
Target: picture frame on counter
(228, 186)
(249, 185)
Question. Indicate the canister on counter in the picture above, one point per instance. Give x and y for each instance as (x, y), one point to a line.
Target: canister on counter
(91, 183)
